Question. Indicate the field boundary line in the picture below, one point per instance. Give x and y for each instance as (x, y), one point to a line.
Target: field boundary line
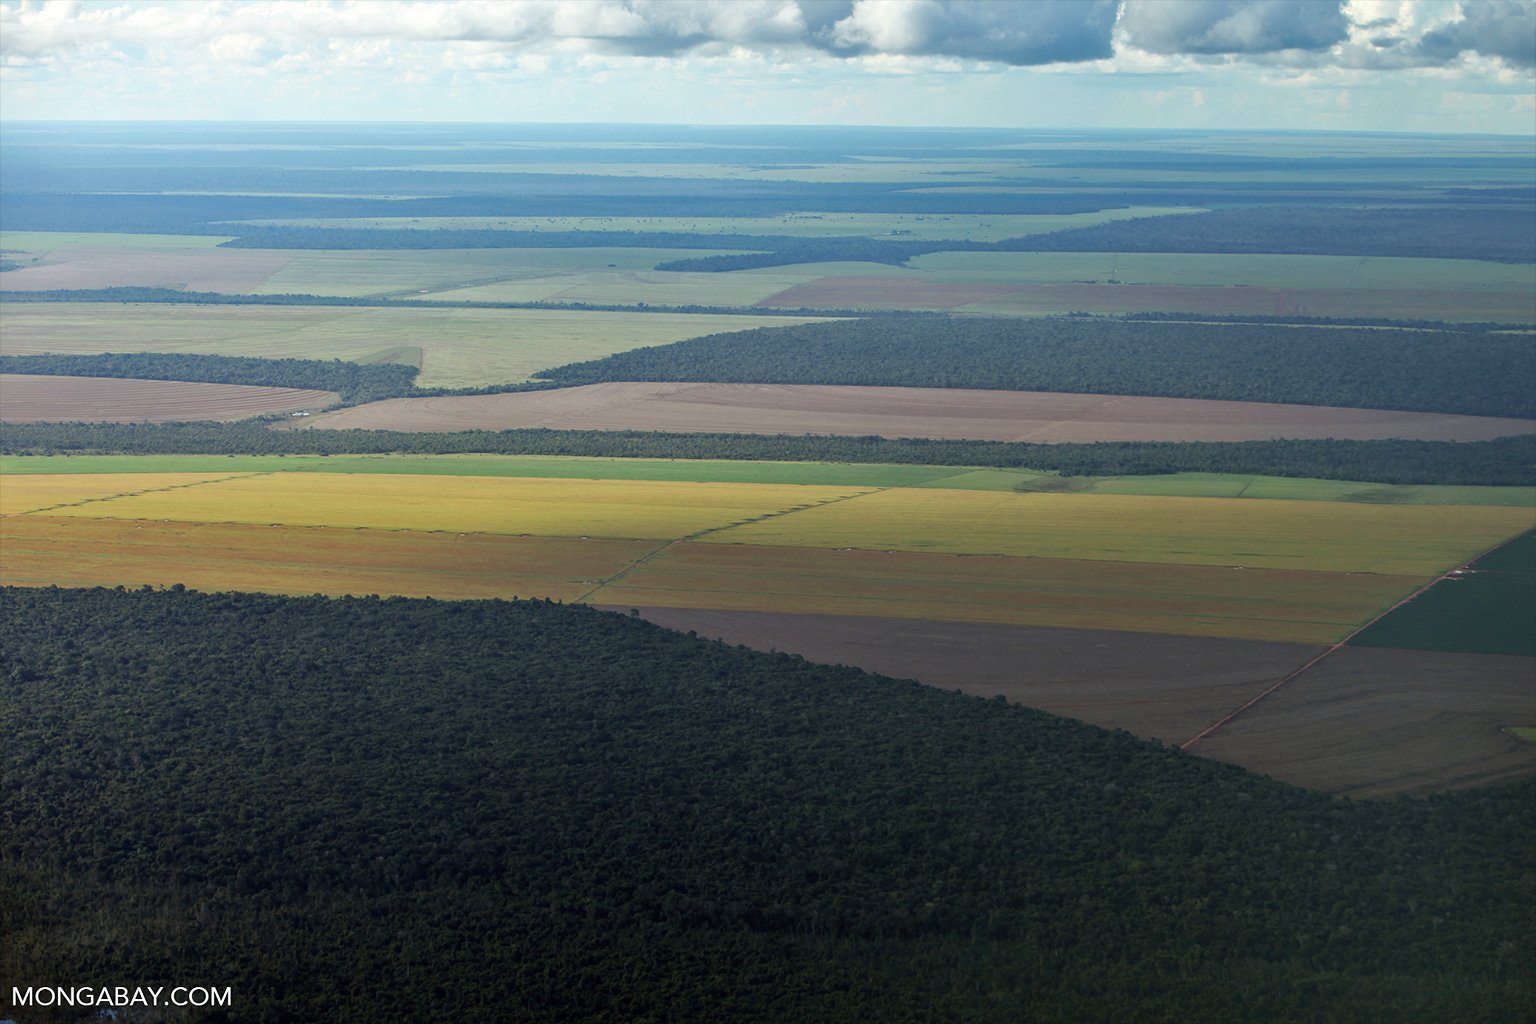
(1316, 659)
(637, 563)
(149, 490)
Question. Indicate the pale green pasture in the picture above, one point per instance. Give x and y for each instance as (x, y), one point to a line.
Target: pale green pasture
(1201, 269)
(48, 241)
(891, 226)
(461, 347)
(406, 272)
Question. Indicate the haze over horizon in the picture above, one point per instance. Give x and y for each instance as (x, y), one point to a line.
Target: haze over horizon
(1458, 66)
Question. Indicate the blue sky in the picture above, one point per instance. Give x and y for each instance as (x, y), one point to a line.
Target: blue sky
(1373, 65)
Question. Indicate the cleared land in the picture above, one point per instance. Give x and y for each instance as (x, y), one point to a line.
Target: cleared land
(460, 347)
(1306, 535)
(1192, 600)
(1159, 687)
(962, 478)
(49, 551)
(19, 494)
(1376, 722)
(1489, 609)
(193, 268)
(33, 398)
(1369, 723)
(630, 509)
(906, 412)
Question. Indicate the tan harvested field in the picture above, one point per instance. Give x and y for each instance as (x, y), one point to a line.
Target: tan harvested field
(907, 412)
(22, 494)
(885, 292)
(1377, 722)
(191, 269)
(46, 550)
(1189, 600)
(35, 398)
(1159, 687)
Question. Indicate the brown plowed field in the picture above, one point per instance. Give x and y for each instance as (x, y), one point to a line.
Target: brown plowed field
(1375, 722)
(1159, 687)
(39, 550)
(34, 398)
(944, 413)
(1372, 723)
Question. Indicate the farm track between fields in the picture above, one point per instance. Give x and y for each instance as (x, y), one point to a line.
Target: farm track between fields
(1334, 649)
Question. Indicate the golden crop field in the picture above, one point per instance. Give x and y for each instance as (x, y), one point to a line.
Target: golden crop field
(19, 494)
(1320, 536)
(1193, 600)
(44, 550)
(646, 509)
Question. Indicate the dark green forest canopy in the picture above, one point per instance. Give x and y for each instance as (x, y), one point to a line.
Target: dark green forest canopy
(526, 811)
(353, 381)
(1507, 461)
(1478, 374)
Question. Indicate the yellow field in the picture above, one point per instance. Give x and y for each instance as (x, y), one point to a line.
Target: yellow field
(44, 550)
(644, 509)
(1310, 535)
(1254, 604)
(20, 494)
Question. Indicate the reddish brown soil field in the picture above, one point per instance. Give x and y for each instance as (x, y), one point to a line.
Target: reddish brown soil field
(196, 270)
(1367, 723)
(1377, 722)
(907, 412)
(31, 398)
(1159, 687)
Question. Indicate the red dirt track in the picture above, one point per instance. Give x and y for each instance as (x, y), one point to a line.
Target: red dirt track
(943, 413)
(34, 398)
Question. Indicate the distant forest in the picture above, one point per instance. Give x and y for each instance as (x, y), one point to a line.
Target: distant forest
(358, 809)
(356, 383)
(1508, 461)
(1452, 372)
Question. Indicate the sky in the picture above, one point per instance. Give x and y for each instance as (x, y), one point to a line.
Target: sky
(1351, 65)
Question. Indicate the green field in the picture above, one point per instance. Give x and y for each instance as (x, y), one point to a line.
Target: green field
(1491, 609)
(461, 347)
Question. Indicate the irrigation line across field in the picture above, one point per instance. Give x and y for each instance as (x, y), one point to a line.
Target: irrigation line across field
(1316, 659)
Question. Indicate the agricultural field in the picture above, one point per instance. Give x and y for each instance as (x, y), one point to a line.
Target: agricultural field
(31, 398)
(1486, 609)
(459, 347)
(905, 412)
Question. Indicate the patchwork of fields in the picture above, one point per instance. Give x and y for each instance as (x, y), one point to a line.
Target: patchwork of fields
(858, 550)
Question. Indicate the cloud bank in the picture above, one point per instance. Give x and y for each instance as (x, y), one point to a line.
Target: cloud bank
(1022, 33)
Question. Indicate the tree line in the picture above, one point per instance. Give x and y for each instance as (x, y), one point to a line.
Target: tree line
(1479, 374)
(1507, 461)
